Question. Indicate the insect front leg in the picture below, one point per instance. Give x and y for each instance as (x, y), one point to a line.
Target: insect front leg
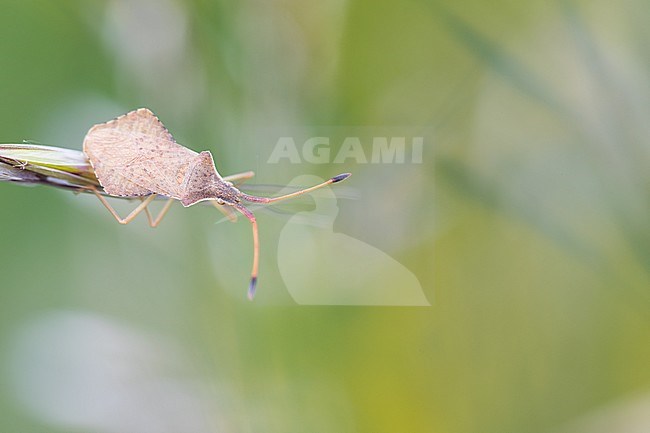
(226, 210)
(239, 177)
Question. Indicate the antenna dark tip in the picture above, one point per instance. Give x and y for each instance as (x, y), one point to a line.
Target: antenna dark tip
(340, 177)
(251, 288)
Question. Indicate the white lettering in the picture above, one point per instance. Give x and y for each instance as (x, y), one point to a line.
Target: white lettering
(386, 151)
(316, 150)
(351, 148)
(284, 148)
(417, 145)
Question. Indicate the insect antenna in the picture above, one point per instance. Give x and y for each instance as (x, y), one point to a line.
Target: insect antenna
(256, 249)
(330, 181)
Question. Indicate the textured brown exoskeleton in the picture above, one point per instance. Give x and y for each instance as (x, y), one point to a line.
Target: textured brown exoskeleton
(135, 156)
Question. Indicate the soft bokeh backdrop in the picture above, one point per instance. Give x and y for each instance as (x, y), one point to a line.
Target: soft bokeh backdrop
(525, 225)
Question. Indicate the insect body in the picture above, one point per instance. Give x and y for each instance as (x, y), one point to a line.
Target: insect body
(135, 156)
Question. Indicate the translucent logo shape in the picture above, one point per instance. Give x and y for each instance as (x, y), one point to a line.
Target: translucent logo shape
(322, 267)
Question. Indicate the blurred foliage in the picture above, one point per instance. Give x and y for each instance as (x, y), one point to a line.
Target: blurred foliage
(526, 224)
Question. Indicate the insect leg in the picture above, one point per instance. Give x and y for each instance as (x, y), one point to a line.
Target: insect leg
(146, 211)
(239, 177)
(232, 217)
(133, 213)
(161, 214)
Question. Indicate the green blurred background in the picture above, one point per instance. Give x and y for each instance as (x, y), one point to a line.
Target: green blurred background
(526, 224)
